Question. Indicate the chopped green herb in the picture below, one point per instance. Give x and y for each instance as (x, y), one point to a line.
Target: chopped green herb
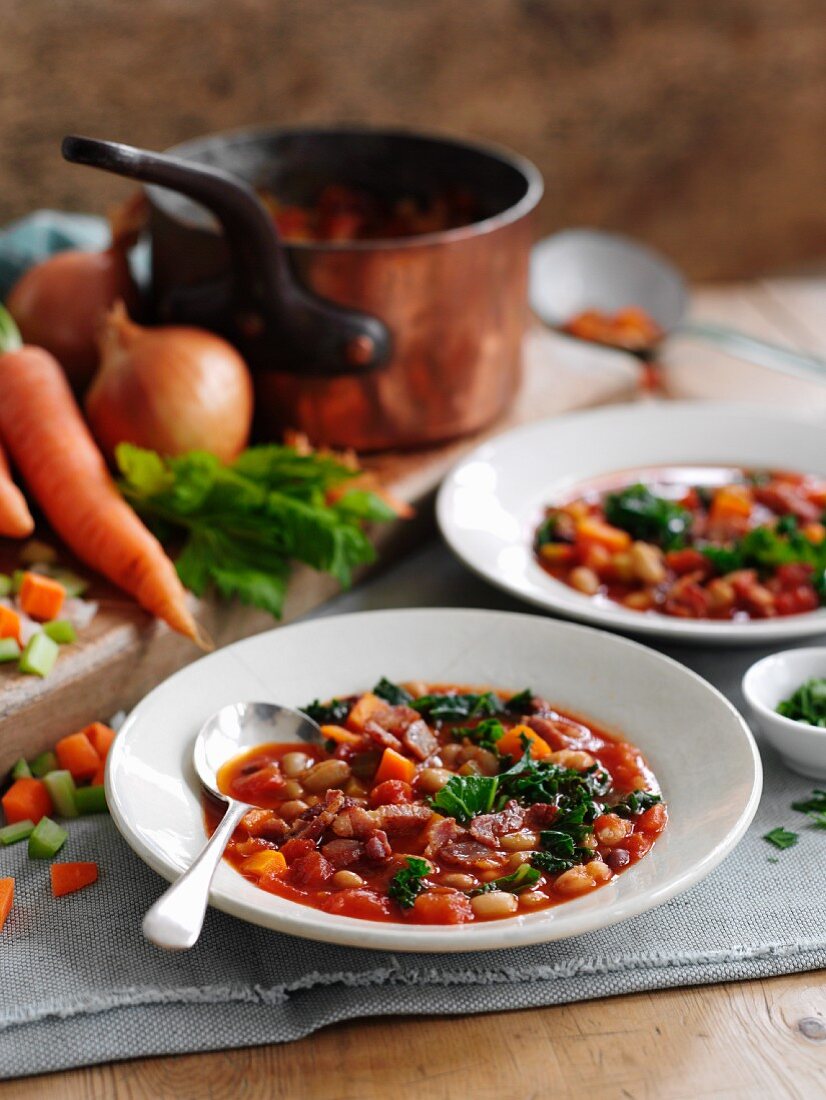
(448, 706)
(635, 803)
(20, 830)
(766, 547)
(807, 704)
(21, 770)
(9, 650)
(772, 859)
(819, 818)
(328, 714)
(60, 631)
(521, 703)
(43, 764)
(816, 803)
(523, 877)
(781, 838)
(39, 656)
(648, 517)
(244, 524)
(47, 839)
(465, 796)
(61, 788)
(392, 693)
(407, 883)
(485, 733)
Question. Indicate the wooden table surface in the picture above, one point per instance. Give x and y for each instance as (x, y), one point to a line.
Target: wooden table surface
(762, 1038)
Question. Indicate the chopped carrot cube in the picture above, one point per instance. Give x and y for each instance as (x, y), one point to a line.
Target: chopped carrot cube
(342, 736)
(10, 624)
(814, 532)
(511, 743)
(557, 553)
(394, 766)
(731, 501)
(6, 898)
(367, 707)
(76, 754)
(604, 534)
(265, 862)
(41, 597)
(101, 737)
(26, 800)
(68, 877)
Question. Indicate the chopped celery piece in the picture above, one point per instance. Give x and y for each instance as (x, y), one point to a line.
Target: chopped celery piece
(9, 650)
(91, 800)
(5, 584)
(62, 790)
(11, 834)
(47, 839)
(39, 656)
(43, 764)
(21, 770)
(60, 631)
(17, 580)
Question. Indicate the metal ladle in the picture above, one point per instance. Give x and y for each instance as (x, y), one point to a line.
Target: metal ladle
(581, 269)
(177, 917)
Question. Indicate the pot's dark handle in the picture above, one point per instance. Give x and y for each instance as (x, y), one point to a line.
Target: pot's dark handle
(312, 335)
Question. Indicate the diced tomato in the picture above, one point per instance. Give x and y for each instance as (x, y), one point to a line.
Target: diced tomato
(358, 903)
(688, 600)
(686, 561)
(653, 820)
(295, 849)
(638, 844)
(392, 792)
(259, 786)
(790, 576)
(442, 907)
(797, 600)
(312, 870)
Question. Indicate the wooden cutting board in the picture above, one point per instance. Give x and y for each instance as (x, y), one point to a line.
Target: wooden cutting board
(124, 653)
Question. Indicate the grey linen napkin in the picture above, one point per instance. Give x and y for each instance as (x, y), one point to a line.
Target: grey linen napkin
(78, 984)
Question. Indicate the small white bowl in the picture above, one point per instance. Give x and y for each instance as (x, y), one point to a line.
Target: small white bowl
(769, 682)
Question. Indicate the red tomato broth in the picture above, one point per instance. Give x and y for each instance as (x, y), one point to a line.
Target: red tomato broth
(314, 863)
(607, 562)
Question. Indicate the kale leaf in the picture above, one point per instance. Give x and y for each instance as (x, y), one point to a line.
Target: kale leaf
(328, 714)
(407, 883)
(648, 517)
(448, 706)
(392, 693)
(523, 877)
(635, 803)
(465, 796)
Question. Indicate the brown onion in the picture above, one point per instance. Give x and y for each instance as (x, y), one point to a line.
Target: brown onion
(59, 303)
(171, 389)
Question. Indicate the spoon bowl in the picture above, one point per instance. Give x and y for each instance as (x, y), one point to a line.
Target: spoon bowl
(177, 917)
(590, 269)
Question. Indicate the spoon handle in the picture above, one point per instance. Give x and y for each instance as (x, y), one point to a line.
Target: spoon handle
(765, 354)
(176, 918)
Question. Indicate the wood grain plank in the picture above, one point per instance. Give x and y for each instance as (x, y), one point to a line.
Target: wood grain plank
(749, 1039)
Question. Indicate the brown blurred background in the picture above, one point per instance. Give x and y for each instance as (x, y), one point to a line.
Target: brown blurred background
(698, 125)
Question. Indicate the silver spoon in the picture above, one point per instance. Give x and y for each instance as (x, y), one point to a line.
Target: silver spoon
(581, 269)
(176, 918)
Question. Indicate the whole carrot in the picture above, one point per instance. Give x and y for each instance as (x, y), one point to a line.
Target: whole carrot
(15, 519)
(46, 436)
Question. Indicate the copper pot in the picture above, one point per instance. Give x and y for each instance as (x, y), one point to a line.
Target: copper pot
(368, 344)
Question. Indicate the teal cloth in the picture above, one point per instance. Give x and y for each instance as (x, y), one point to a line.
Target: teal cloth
(43, 233)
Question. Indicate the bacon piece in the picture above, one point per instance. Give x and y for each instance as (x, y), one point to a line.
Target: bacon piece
(558, 734)
(488, 828)
(399, 818)
(341, 852)
(419, 740)
(450, 843)
(540, 815)
(311, 870)
(312, 823)
(380, 736)
(378, 847)
(266, 824)
(354, 821)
